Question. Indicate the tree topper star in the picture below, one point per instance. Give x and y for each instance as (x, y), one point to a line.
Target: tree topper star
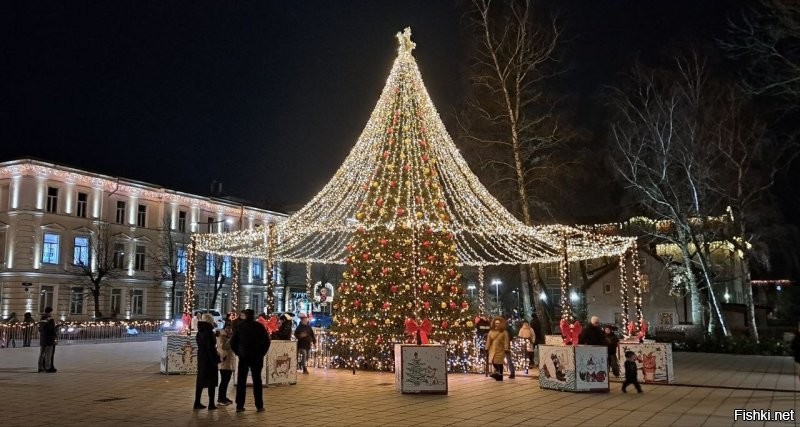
(404, 39)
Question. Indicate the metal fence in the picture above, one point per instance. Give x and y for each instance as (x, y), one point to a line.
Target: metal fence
(26, 334)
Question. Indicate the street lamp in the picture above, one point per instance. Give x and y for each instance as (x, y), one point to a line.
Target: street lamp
(496, 283)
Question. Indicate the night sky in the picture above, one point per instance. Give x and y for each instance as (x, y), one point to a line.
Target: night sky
(268, 97)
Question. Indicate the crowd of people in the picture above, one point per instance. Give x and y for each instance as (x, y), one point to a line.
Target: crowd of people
(248, 338)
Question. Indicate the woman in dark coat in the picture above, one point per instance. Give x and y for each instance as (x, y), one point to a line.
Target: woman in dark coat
(207, 360)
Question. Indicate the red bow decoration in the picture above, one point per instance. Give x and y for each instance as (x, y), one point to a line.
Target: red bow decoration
(270, 325)
(642, 330)
(424, 329)
(566, 334)
(576, 332)
(186, 319)
(631, 328)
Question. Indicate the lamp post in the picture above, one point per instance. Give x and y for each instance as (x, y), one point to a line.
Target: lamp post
(516, 292)
(496, 283)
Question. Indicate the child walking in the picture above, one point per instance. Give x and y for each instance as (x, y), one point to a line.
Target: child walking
(630, 372)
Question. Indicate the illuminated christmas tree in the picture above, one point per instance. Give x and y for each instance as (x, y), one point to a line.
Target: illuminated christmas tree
(402, 263)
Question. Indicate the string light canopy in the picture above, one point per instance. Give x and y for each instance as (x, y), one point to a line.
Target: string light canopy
(406, 144)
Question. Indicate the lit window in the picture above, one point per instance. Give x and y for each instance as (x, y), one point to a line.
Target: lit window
(80, 255)
(182, 221)
(50, 248)
(180, 260)
(119, 256)
(227, 266)
(257, 269)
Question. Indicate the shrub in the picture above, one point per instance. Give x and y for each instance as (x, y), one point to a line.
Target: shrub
(733, 345)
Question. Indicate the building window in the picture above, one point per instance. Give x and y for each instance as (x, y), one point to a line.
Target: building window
(120, 212)
(80, 255)
(551, 271)
(45, 298)
(182, 221)
(76, 301)
(83, 201)
(178, 302)
(606, 287)
(52, 199)
(224, 301)
(180, 260)
(227, 266)
(137, 302)
(138, 261)
(665, 318)
(255, 303)
(211, 261)
(141, 216)
(50, 248)
(258, 269)
(116, 301)
(205, 300)
(119, 256)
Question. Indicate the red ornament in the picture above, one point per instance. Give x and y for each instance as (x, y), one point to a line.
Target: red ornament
(349, 248)
(427, 305)
(398, 255)
(360, 230)
(401, 211)
(359, 288)
(426, 287)
(445, 324)
(423, 271)
(464, 305)
(379, 202)
(365, 255)
(394, 289)
(454, 289)
(426, 243)
(425, 157)
(452, 305)
(422, 142)
(386, 305)
(392, 184)
(451, 272)
(357, 303)
(432, 258)
(386, 153)
(355, 272)
(384, 242)
(406, 168)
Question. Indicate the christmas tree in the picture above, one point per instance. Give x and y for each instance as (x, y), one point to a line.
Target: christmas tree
(402, 263)
(415, 371)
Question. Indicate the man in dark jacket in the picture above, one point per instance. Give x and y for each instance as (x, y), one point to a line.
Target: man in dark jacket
(612, 341)
(305, 339)
(47, 341)
(284, 332)
(250, 342)
(593, 335)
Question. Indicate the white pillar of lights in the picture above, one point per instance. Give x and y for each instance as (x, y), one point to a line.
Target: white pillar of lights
(496, 283)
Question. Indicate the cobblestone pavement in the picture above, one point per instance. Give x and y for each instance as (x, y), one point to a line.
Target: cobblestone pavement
(120, 385)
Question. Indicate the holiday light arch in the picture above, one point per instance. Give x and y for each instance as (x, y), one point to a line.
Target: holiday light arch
(406, 174)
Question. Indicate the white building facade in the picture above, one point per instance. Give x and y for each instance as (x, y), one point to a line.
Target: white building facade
(50, 213)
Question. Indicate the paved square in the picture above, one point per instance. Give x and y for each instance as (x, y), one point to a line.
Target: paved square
(119, 385)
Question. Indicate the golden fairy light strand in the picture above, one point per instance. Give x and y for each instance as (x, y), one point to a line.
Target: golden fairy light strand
(485, 233)
(623, 290)
(191, 272)
(235, 286)
(637, 286)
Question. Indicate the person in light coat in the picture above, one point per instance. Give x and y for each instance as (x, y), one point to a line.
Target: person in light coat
(227, 362)
(497, 344)
(528, 336)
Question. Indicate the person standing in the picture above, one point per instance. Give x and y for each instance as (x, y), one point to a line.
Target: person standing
(284, 332)
(528, 336)
(497, 344)
(47, 341)
(612, 341)
(250, 341)
(536, 325)
(593, 335)
(305, 339)
(227, 362)
(631, 372)
(207, 360)
(509, 354)
(27, 326)
(12, 322)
